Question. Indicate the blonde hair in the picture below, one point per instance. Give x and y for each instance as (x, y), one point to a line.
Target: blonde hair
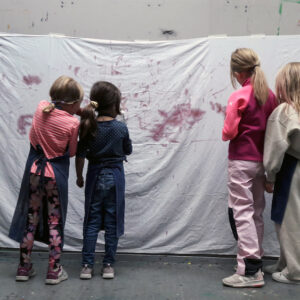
(246, 60)
(288, 85)
(64, 90)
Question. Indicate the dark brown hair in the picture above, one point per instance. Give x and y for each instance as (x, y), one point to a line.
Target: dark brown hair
(108, 99)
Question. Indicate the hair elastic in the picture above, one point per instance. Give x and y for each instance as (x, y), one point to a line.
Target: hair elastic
(94, 104)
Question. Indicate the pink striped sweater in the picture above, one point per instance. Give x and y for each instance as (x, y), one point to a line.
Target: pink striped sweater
(54, 132)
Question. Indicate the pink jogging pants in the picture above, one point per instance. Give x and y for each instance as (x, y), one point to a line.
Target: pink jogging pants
(247, 201)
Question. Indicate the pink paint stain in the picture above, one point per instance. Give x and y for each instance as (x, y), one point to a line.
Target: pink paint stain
(182, 116)
(31, 79)
(218, 92)
(114, 71)
(23, 122)
(76, 70)
(218, 108)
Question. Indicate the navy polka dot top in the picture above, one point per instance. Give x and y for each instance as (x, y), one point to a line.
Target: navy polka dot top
(111, 144)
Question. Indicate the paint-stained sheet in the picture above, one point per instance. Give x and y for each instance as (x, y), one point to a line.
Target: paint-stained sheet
(174, 95)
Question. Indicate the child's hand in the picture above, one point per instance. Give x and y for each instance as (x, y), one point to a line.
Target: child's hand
(80, 182)
(269, 187)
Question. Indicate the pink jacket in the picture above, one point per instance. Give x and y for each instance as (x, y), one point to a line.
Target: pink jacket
(245, 123)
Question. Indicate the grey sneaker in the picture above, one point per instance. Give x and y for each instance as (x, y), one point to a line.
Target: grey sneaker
(108, 272)
(86, 272)
(236, 280)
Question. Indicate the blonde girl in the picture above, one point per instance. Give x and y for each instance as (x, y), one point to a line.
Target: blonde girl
(281, 161)
(246, 117)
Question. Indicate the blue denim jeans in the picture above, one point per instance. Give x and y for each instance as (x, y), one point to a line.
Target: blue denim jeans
(103, 205)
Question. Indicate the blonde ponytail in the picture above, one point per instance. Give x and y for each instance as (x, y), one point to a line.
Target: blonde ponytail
(246, 60)
(49, 108)
(260, 85)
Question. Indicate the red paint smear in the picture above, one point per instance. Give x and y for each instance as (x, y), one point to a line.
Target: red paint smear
(218, 92)
(218, 108)
(31, 79)
(23, 122)
(181, 116)
(76, 70)
(114, 71)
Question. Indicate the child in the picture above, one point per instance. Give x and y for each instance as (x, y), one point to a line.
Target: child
(105, 142)
(246, 116)
(42, 205)
(281, 161)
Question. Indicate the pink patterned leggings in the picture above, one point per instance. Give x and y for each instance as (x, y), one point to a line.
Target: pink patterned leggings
(49, 194)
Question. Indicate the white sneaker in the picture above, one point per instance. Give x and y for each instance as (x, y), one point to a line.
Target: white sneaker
(236, 280)
(282, 277)
(271, 269)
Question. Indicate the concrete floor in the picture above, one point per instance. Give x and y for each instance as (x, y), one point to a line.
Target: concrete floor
(137, 277)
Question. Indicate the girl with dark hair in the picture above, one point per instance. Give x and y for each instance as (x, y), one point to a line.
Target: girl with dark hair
(105, 142)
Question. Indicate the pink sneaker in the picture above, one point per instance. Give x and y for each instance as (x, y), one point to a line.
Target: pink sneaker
(25, 272)
(56, 276)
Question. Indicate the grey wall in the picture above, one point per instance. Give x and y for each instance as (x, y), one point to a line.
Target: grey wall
(150, 19)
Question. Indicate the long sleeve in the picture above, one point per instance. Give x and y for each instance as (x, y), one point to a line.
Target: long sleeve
(235, 107)
(73, 140)
(127, 145)
(275, 146)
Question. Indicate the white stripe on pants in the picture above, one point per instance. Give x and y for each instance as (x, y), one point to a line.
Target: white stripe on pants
(246, 198)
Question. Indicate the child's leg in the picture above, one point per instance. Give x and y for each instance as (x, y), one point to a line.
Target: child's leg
(110, 224)
(54, 223)
(259, 204)
(92, 228)
(281, 263)
(35, 198)
(240, 183)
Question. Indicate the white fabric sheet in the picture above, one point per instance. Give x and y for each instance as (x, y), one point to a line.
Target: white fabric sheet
(174, 96)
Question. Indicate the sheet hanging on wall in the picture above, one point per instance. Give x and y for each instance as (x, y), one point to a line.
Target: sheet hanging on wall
(174, 95)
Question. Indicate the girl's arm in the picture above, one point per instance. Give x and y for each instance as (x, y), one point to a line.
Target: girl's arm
(276, 144)
(127, 145)
(79, 164)
(73, 140)
(235, 107)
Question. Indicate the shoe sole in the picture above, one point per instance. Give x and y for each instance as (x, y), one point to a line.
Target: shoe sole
(24, 278)
(85, 276)
(108, 276)
(55, 281)
(286, 282)
(257, 284)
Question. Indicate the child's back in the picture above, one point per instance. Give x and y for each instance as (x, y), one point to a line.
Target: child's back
(105, 143)
(110, 145)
